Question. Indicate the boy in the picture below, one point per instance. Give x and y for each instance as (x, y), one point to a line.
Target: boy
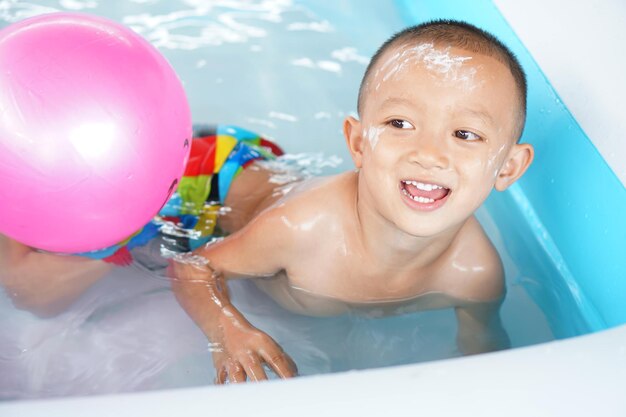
(441, 108)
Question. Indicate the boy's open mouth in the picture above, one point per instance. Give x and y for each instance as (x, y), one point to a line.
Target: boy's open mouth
(423, 195)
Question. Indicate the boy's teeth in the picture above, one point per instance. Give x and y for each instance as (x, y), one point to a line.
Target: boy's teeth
(418, 199)
(423, 186)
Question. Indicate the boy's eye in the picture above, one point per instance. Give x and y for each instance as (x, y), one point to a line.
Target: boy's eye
(400, 124)
(466, 135)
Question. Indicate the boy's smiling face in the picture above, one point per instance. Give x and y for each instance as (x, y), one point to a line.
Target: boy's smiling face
(437, 132)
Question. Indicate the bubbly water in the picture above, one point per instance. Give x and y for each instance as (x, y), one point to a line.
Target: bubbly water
(289, 70)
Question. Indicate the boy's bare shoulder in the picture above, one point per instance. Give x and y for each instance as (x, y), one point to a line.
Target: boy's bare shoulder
(315, 198)
(313, 206)
(475, 272)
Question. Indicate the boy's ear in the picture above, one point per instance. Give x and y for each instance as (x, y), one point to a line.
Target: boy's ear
(354, 138)
(519, 159)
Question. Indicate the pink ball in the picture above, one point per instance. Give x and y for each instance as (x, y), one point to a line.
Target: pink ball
(94, 132)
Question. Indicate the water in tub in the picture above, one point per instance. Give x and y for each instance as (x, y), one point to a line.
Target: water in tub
(287, 69)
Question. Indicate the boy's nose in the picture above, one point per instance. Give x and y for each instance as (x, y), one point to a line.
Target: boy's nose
(430, 153)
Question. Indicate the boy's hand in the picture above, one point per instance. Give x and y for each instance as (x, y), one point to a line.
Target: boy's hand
(244, 349)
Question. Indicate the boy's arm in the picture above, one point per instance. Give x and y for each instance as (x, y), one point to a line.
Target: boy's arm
(239, 349)
(480, 328)
(44, 283)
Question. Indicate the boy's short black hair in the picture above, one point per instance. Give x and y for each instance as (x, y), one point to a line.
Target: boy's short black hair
(461, 35)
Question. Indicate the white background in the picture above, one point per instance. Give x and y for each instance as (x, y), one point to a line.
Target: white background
(581, 48)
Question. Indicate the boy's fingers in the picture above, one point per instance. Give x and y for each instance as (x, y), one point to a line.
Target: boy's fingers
(293, 365)
(236, 373)
(220, 378)
(280, 363)
(255, 370)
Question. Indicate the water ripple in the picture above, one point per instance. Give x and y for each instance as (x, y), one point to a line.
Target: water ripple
(209, 23)
(13, 10)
